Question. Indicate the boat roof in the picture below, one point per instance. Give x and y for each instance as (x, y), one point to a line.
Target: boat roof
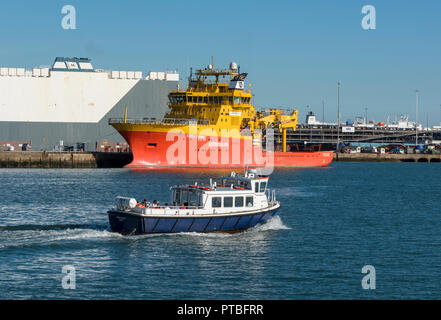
(250, 176)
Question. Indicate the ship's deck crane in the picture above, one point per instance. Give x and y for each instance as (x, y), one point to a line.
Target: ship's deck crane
(275, 118)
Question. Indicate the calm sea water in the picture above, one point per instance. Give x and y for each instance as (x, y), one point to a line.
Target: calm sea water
(333, 222)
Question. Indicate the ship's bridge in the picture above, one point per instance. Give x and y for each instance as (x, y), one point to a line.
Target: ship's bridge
(222, 101)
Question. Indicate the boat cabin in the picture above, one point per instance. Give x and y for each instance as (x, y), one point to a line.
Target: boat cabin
(234, 192)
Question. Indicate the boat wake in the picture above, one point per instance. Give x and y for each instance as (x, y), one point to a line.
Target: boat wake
(38, 227)
(25, 236)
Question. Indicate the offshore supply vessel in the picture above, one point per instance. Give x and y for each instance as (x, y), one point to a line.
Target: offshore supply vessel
(68, 104)
(213, 123)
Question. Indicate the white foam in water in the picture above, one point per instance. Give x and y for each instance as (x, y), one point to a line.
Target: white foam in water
(275, 223)
(47, 237)
(80, 234)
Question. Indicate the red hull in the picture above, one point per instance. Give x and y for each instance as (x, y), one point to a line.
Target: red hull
(154, 149)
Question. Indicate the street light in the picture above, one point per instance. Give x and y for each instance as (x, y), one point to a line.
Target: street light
(365, 117)
(416, 121)
(338, 115)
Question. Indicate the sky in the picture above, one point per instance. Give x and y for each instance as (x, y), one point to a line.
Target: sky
(294, 51)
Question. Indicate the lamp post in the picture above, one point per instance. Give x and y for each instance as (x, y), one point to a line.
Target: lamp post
(338, 114)
(365, 116)
(416, 121)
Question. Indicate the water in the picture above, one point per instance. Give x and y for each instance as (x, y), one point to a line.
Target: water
(333, 221)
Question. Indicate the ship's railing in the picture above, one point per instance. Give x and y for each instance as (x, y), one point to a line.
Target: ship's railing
(167, 121)
(271, 196)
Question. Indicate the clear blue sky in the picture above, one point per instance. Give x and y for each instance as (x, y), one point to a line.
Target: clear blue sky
(294, 51)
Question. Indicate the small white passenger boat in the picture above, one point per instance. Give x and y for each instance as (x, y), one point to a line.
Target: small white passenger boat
(235, 204)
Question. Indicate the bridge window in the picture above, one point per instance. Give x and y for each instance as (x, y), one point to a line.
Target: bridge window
(238, 201)
(177, 196)
(250, 202)
(262, 186)
(228, 202)
(236, 100)
(193, 199)
(199, 99)
(231, 100)
(190, 99)
(256, 187)
(210, 99)
(205, 99)
(216, 202)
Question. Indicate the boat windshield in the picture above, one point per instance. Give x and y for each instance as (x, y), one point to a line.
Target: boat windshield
(187, 198)
(236, 182)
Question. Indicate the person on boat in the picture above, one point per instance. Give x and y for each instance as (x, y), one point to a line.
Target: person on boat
(155, 204)
(182, 206)
(166, 206)
(175, 204)
(141, 204)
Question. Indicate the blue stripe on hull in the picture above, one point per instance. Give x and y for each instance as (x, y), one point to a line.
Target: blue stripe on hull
(200, 224)
(215, 224)
(165, 225)
(243, 222)
(266, 217)
(230, 223)
(254, 220)
(183, 225)
(150, 224)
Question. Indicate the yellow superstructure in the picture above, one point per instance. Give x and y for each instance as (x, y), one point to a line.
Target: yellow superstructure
(217, 101)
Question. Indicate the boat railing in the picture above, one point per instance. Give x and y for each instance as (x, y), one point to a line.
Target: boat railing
(271, 196)
(167, 121)
(168, 209)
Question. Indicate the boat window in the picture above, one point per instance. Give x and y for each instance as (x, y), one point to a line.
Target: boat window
(190, 99)
(200, 99)
(250, 201)
(184, 196)
(256, 187)
(228, 202)
(236, 100)
(238, 201)
(216, 202)
(210, 99)
(205, 99)
(216, 100)
(193, 199)
(231, 100)
(262, 186)
(177, 196)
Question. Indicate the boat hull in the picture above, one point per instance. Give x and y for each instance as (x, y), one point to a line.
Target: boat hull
(127, 223)
(155, 149)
